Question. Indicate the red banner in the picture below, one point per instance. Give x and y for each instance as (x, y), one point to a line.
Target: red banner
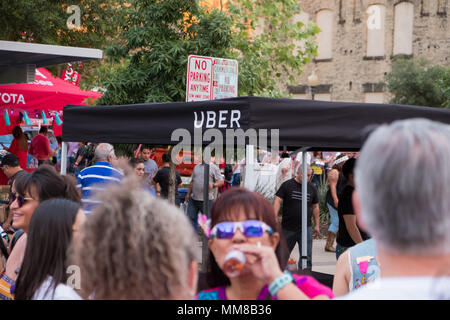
(70, 75)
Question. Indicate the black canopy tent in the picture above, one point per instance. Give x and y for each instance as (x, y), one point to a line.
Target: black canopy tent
(301, 123)
(313, 125)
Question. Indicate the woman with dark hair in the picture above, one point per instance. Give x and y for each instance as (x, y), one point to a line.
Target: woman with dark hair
(19, 146)
(29, 191)
(43, 274)
(138, 167)
(244, 221)
(336, 184)
(350, 233)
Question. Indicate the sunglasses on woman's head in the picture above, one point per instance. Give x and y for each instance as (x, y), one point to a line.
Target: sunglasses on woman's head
(250, 228)
(20, 200)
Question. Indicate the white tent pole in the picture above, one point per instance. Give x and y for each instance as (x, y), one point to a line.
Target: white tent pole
(304, 210)
(249, 177)
(64, 158)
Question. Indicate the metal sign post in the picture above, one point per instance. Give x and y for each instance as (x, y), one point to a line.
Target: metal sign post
(64, 158)
(206, 169)
(304, 211)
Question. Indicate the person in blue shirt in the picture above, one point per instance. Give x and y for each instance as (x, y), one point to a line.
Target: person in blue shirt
(95, 178)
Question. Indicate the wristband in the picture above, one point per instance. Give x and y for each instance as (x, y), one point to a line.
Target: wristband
(280, 282)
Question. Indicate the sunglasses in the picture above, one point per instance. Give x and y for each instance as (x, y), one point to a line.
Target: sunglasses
(250, 228)
(20, 200)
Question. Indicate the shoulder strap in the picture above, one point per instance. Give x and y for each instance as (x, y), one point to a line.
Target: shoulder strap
(16, 237)
(3, 249)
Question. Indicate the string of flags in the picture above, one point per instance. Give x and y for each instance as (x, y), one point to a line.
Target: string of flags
(27, 120)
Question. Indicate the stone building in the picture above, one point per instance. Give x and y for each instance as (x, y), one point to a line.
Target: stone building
(360, 38)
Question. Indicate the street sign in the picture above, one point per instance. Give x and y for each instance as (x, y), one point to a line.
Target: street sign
(210, 78)
(199, 77)
(225, 74)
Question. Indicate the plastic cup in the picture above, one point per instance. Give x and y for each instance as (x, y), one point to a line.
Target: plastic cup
(234, 263)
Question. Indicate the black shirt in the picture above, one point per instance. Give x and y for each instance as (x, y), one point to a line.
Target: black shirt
(162, 177)
(291, 193)
(345, 206)
(83, 151)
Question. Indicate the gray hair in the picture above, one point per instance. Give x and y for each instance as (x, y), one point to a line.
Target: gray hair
(103, 151)
(403, 180)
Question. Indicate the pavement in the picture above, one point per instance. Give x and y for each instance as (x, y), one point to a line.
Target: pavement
(322, 261)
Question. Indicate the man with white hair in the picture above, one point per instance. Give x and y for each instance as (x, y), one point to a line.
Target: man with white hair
(403, 196)
(96, 177)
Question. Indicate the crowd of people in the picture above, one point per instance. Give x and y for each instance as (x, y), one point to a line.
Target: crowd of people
(108, 231)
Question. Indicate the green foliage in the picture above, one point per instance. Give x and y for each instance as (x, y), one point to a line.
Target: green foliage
(417, 82)
(45, 21)
(149, 41)
(158, 36)
(444, 85)
(324, 214)
(155, 42)
(269, 47)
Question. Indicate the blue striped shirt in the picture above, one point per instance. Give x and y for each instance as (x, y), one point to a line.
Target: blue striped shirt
(96, 178)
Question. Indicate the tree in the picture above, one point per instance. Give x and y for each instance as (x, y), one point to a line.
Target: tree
(418, 82)
(269, 44)
(156, 40)
(444, 84)
(158, 37)
(53, 22)
(46, 21)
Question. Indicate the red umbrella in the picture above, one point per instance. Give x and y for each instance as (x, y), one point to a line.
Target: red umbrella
(47, 93)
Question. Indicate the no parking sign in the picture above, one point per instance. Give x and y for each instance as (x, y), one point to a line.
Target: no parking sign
(210, 78)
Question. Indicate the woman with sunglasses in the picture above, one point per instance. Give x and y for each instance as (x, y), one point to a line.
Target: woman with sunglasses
(29, 191)
(244, 221)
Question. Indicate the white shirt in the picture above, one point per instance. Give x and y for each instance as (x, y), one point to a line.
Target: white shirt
(286, 163)
(403, 288)
(299, 159)
(62, 292)
(239, 167)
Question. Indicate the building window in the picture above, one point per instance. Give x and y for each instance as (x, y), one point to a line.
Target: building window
(324, 20)
(299, 96)
(403, 28)
(298, 92)
(300, 44)
(374, 97)
(442, 8)
(322, 96)
(375, 30)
